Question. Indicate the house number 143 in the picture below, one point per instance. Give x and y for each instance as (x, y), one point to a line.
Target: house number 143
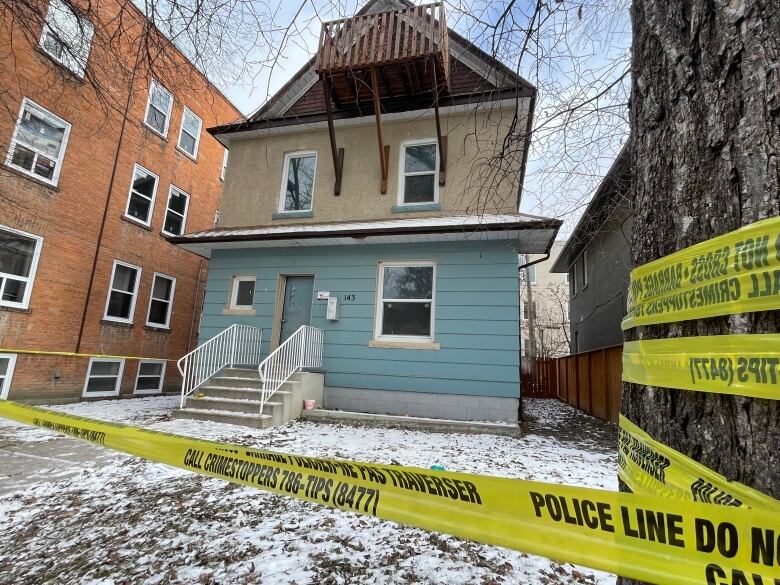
(349, 297)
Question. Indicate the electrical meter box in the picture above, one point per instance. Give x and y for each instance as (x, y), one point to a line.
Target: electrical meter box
(333, 309)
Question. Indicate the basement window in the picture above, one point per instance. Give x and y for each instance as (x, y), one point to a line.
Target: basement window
(140, 201)
(161, 301)
(19, 254)
(150, 377)
(405, 308)
(298, 181)
(67, 37)
(7, 363)
(189, 134)
(176, 212)
(38, 144)
(104, 377)
(120, 305)
(158, 109)
(417, 183)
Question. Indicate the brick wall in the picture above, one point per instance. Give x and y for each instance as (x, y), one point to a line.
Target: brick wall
(69, 216)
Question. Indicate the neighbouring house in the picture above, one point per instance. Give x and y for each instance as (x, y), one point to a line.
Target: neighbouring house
(597, 260)
(350, 207)
(102, 159)
(544, 306)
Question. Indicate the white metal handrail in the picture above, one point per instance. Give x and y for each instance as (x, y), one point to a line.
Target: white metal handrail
(238, 344)
(303, 349)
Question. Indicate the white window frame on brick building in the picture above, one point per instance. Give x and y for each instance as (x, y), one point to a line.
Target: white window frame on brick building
(19, 142)
(169, 302)
(156, 86)
(112, 290)
(27, 279)
(196, 137)
(8, 360)
(134, 194)
(67, 37)
(141, 375)
(92, 376)
(169, 211)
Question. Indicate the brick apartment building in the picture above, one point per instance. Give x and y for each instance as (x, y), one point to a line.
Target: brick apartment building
(104, 155)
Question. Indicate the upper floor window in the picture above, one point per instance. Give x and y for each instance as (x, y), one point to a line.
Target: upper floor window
(573, 279)
(189, 134)
(404, 309)
(67, 37)
(529, 271)
(38, 144)
(298, 181)
(140, 201)
(419, 165)
(19, 253)
(122, 292)
(176, 212)
(529, 310)
(158, 108)
(585, 268)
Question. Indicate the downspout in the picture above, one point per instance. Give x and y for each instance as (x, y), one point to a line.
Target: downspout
(125, 117)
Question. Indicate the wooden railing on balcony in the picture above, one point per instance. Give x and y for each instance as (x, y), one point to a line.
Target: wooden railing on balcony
(386, 38)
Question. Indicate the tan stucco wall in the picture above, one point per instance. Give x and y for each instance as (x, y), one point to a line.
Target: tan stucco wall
(254, 175)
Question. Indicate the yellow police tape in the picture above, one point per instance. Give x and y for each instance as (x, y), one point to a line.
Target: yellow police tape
(74, 354)
(748, 365)
(738, 272)
(648, 467)
(657, 540)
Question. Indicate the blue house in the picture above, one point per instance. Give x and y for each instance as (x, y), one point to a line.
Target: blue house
(366, 250)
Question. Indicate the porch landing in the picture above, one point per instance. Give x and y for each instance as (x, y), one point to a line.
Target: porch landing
(410, 422)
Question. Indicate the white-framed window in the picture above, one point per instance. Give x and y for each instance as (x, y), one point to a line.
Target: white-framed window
(161, 300)
(104, 377)
(529, 271)
(151, 374)
(158, 108)
(405, 301)
(39, 142)
(67, 37)
(176, 212)
(122, 292)
(189, 133)
(242, 293)
(585, 269)
(418, 170)
(298, 181)
(526, 313)
(19, 254)
(7, 364)
(140, 200)
(224, 164)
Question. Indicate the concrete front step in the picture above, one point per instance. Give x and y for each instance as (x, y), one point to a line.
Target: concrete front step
(234, 405)
(240, 393)
(257, 421)
(240, 372)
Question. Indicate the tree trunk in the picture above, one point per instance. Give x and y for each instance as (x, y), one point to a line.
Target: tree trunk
(705, 119)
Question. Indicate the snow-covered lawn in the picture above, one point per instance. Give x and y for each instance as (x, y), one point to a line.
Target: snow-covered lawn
(82, 514)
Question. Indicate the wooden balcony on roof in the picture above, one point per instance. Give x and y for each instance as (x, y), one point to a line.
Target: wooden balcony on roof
(407, 49)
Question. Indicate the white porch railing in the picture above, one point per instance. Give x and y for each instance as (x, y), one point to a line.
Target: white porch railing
(238, 344)
(303, 349)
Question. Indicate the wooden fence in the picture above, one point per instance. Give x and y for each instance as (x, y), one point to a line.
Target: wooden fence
(589, 381)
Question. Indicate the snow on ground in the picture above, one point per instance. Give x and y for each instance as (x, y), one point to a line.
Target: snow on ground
(78, 513)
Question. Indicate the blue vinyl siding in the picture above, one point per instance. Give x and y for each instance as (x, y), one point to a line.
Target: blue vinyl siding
(476, 313)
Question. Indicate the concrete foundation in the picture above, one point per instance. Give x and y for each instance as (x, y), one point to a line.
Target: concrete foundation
(422, 404)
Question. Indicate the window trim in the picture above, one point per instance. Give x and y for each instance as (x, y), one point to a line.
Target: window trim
(168, 115)
(5, 387)
(136, 286)
(117, 384)
(234, 292)
(168, 208)
(193, 156)
(61, 157)
(402, 174)
(157, 390)
(30, 280)
(379, 302)
(283, 186)
(167, 324)
(46, 27)
(127, 215)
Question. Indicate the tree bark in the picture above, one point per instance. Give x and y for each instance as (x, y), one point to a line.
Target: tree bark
(705, 120)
